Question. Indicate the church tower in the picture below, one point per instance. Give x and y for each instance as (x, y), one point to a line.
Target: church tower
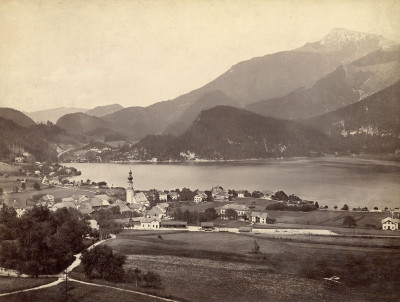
(130, 193)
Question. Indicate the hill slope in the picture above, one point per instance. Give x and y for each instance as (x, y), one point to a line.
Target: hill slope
(35, 140)
(80, 123)
(99, 111)
(225, 132)
(371, 125)
(262, 78)
(346, 85)
(52, 115)
(16, 116)
(376, 115)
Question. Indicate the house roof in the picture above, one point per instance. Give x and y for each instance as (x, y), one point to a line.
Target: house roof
(96, 202)
(140, 197)
(259, 214)
(173, 222)
(148, 220)
(103, 197)
(156, 211)
(207, 224)
(135, 206)
(68, 199)
(64, 204)
(234, 206)
(391, 220)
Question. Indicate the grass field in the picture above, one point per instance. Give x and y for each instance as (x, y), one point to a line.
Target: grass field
(327, 218)
(57, 192)
(198, 266)
(6, 168)
(78, 293)
(9, 284)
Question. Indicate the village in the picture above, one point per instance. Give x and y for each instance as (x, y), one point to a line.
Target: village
(217, 209)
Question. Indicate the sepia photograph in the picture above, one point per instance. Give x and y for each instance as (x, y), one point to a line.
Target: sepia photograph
(199, 150)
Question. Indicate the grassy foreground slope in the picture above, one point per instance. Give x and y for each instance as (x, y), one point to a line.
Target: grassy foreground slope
(200, 266)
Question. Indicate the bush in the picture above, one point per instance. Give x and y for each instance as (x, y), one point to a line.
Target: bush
(152, 280)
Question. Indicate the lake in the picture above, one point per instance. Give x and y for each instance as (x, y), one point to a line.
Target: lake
(330, 181)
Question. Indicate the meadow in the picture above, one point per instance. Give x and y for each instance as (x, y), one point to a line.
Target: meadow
(10, 284)
(200, 266)
(77, 293)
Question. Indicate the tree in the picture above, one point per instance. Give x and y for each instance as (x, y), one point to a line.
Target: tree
(133, 275)
(231, 214)
(345, 207)
(36, 186)
(104, 261)
(256, 248)
(317, 205)
(335, 207)
(15, 189)
(210, 214)
(280, 195)
(1, 191)
(350, 221)
(23, 186)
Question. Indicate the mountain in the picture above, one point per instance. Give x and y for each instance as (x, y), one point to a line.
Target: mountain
(53, 115)
(99, 111)
(344, 86)
(135, 122)
(263, 78)
(226, 132)
(81, 123)
(207, 101)
(16, 116)
(371, 125)
(37, 140)
(376, 115)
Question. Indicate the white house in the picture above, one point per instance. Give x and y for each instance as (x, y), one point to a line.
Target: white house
(197, 199)
(241, 210)
(390, 224)
(241, 194)
(259, 217)
(162, 196)
(149, 223)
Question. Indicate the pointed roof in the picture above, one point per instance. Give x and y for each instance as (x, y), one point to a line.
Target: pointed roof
(130, 178)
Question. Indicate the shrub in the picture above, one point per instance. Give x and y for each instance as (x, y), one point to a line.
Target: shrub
(152, 280)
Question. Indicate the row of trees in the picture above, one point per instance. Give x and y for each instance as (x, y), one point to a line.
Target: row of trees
(193, 217)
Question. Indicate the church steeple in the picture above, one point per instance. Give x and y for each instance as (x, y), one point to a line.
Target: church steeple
(130, 178)
(130, 193)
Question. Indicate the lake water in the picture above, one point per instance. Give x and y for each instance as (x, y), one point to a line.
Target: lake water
(330, 181)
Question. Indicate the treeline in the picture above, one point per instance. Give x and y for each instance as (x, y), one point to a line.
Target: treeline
(194, 217)
(41, 242)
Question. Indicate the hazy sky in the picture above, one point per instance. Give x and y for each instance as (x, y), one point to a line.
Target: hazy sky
(85, 53)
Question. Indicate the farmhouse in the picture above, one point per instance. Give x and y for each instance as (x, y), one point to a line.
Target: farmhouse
(240, 194)
(197, 198)
(162, 196)
(148, 223)
(390, 224)
(173, 195)
(259, 217)
(241, 210)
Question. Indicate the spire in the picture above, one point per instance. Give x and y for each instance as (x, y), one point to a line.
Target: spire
(130, 178)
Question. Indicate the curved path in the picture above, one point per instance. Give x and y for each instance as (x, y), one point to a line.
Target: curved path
(60, 276)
